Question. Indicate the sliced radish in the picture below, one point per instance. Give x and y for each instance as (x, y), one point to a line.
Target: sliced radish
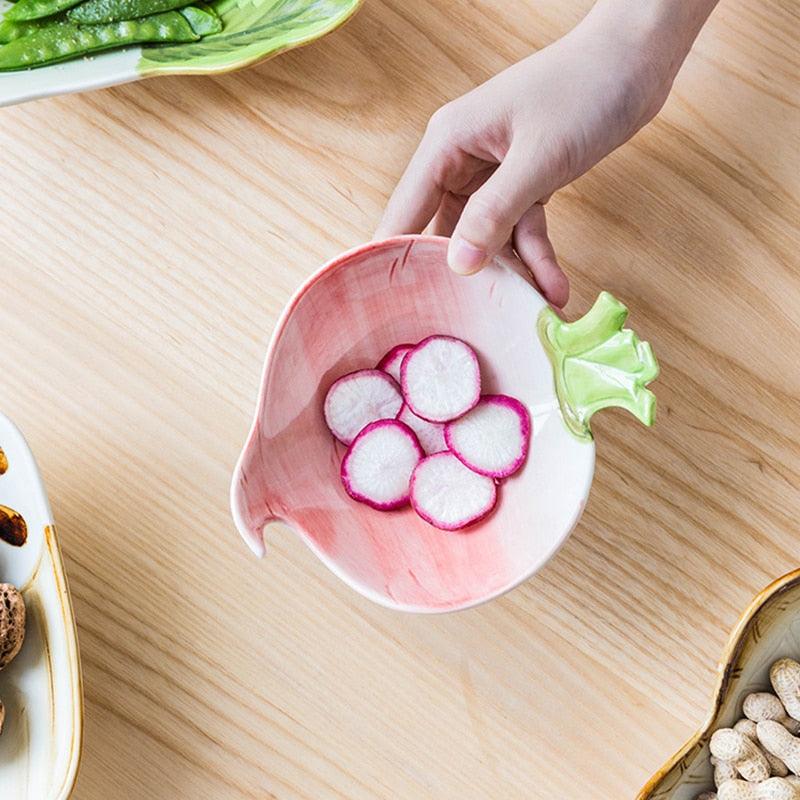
(359, 398)
(441, 378)
(377, 467)
(493, 437)
(430, 434)
(391, 362)
(449, 495)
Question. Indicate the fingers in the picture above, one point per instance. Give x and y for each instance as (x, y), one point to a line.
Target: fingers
(418, 194)
(492, 212)
(533, 246)
(447, 216)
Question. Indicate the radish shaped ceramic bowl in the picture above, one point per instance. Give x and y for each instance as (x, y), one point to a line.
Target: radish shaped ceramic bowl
(345, 317)
(254, 30)
(41, 689)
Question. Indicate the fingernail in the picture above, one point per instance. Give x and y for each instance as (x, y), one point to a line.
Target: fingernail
(464, 258)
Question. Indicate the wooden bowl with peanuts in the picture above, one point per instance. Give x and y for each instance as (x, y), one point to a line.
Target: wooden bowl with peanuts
(749, 746)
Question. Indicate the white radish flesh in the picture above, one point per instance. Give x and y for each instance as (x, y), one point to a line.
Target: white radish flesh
(493, 437)
(441, 378)
(430, 434)
(391, 362)
(448, 495)
(377, 467)
(359, 398)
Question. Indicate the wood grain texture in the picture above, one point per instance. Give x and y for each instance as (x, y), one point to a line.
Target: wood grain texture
(153, 232)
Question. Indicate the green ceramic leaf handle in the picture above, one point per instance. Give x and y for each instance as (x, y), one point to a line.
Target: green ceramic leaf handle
(597, 364)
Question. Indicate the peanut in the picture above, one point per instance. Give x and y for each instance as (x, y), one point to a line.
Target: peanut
(730, 745)
(12, 623)
(772, 789)
(764, 705)
(785, 679)
(723, 771)
(778, 741)
(748, 728)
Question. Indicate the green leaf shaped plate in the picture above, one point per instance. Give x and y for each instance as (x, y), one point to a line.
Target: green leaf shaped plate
(254, 30)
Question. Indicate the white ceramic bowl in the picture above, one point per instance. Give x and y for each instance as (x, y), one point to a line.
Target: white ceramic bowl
(41, 742)
(345, 317)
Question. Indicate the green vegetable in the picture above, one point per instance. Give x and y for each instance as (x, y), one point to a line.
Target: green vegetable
(203, 19)
(61, 41)
(96, 11)
(36, 9)
(10, 30)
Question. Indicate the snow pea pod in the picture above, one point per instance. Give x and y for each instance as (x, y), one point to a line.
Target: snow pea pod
(92, 12)
(65, 40)
(203, 19)
(10, 30)
(36, 9)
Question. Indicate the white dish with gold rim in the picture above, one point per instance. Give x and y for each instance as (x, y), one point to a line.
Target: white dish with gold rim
(41, 742)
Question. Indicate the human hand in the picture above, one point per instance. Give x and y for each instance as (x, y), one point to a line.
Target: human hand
(490, 160)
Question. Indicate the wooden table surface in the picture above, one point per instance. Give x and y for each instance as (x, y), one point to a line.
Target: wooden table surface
(152, 234)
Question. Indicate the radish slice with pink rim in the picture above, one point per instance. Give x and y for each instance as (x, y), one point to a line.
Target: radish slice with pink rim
(492, 438)
(391, 362)
(377, 467)
(448, 495)
(441, 378)
(430, 434)
(357, 399)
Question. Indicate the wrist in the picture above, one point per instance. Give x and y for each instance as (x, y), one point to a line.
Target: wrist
(655, 34)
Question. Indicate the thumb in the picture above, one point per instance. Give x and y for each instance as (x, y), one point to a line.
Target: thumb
(491, 213)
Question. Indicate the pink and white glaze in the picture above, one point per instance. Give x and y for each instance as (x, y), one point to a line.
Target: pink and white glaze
(346, 315)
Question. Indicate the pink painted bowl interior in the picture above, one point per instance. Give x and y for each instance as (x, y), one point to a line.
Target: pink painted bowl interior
(345, 318)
